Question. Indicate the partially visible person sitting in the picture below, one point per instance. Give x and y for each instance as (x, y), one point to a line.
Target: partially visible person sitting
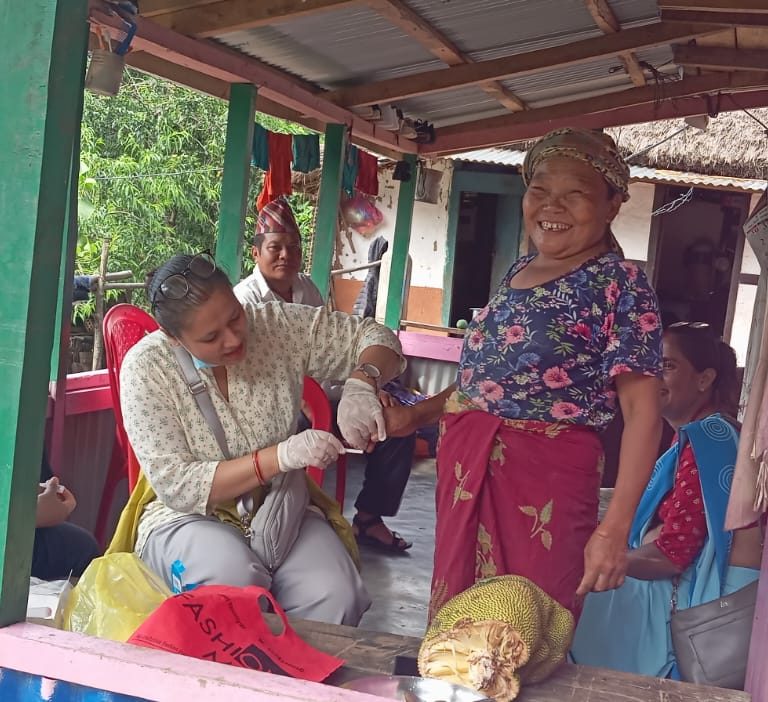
(678, 531)
(276, 277)
(61, 549)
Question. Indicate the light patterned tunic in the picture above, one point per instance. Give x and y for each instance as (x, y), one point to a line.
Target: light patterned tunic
(174, 445)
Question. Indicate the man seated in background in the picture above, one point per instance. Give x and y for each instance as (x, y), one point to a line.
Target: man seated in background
(277, 277)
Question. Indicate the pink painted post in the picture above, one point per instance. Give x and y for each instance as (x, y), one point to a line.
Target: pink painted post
(149, 674)
(757, 671)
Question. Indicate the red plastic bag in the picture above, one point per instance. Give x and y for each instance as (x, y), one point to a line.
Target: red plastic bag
(225, 624)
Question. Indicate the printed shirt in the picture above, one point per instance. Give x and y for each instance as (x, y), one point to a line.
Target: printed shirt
(550, 353)
(175, 446)
(254, 288)
(684, 522)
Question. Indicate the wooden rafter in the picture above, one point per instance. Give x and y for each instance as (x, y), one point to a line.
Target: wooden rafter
(497, 130)
(721, 58)
(606, 19)
(715, 5)
(519, 64)
(231, 66)
(402, 16)
(727, 19)
(233, 15)
(151, 8)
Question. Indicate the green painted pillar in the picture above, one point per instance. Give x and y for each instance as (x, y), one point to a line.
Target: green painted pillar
(234, 184)
(327, 214)
(39, 110)
(400, 244)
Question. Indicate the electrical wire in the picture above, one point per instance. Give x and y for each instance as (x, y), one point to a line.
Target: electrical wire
(157, 175)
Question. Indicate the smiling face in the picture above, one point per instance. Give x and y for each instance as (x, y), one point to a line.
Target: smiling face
(685, 392)
(279, 258)
(215, 331)
(567, 209)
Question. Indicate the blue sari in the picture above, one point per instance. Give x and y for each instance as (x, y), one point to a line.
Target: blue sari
(627, 629)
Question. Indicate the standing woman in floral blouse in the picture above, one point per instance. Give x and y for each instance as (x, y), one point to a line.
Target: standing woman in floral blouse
(572, 331)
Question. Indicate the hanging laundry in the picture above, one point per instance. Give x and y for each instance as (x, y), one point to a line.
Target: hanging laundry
(306, 152)
(349, 175)
(367, 180)
(277, 180)
(260, 148)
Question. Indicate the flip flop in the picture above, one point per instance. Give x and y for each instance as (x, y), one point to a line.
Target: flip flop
(397, 545)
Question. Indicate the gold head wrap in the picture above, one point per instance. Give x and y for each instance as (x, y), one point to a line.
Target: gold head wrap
(593, 148)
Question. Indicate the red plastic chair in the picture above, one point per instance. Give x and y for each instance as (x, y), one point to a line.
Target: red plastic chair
(317, 401)
(123, 326)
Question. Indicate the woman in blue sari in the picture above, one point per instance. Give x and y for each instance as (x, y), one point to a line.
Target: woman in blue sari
(677, 533)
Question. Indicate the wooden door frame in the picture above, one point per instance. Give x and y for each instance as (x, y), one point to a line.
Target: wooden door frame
(474, 182)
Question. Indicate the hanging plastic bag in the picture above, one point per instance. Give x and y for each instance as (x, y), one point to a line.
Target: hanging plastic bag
(226, 624)
(115, 594)
(361, 214)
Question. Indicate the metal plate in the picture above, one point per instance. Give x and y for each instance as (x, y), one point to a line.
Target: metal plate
(413, 689)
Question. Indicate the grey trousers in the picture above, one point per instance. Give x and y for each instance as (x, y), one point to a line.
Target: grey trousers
(317, 580)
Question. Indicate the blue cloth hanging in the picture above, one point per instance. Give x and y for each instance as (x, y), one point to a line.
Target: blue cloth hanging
(260, 149)
(349, 175)
(306, 152)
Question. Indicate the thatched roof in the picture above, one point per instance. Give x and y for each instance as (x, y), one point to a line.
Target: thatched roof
(734, 144)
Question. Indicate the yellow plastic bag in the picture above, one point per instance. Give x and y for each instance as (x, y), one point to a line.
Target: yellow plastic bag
(115, 594)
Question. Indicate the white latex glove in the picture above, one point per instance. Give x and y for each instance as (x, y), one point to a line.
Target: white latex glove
(311, 447)
(360, 416)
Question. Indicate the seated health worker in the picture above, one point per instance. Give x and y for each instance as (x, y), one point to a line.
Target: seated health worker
(252, 360)
(677, 532)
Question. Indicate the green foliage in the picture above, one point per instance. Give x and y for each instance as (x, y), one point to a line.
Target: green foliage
(150, 177)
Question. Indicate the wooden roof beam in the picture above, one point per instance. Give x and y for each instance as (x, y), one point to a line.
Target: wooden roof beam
(151, 8)
(721, 58)
(519, 64)
(727, 19)
(403, 17)
(606, 19)
(728, 6)
(212, 19)
(218, 61)
(599, 111)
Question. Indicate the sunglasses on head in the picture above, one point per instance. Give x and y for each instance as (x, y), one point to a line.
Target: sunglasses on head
(176, 285)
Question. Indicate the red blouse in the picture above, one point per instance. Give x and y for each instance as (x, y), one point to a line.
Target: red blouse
(684, 522)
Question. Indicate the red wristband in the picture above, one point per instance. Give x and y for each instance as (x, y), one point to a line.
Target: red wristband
(257, 467)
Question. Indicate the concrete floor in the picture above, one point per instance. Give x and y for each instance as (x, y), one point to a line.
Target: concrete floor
(398, 582)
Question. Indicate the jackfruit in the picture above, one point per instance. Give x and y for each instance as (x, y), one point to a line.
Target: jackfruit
(494, 636)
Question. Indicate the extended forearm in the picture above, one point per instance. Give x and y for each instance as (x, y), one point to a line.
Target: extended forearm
(649, 563)
(428, 411)
(385, 359)
(238, 476)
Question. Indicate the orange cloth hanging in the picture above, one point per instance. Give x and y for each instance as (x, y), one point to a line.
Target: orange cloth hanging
(367, 180)
(277, 180)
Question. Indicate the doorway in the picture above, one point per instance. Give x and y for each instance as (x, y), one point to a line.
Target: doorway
(484, 225)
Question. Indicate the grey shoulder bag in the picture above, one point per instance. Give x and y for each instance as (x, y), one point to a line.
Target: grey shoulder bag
(275, 526)
(711, 640)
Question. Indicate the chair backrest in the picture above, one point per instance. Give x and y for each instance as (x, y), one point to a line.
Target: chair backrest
(124, 325)
(317, 402)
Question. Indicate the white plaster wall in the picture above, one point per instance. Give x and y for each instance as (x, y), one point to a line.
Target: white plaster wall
(429, 231)
(632, 226)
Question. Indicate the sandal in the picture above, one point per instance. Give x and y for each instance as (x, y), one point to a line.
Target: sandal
(398, 544)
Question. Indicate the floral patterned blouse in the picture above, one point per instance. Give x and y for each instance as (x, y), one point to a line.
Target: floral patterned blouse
(550, 353)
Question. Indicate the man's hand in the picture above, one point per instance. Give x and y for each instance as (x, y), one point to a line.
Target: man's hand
(605, 562)
(401, 420)
(54, 504)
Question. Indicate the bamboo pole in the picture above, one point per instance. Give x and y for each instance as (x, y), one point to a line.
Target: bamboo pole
(98, 338)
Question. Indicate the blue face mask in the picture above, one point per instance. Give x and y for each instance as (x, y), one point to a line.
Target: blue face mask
(202, 364)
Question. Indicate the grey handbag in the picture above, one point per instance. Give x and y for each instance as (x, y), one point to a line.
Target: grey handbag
(275, 527)
(711, 640)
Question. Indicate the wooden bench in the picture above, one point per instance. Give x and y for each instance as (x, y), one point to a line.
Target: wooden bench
(369, 652)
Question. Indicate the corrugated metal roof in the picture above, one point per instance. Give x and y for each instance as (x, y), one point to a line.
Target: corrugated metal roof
(512, 157)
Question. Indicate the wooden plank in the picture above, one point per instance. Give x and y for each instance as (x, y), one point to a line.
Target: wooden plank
(437, 348)
(235, 179)
(235, 15)
(401, 240)
(606, 19)
(498, 130)
(402, 16)
(519, 64)
(232, 66)
(147, 63)
(721, 58)
(714, 5)
(150, 8)
(327, 213)
(38, 123)
(729, 19)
